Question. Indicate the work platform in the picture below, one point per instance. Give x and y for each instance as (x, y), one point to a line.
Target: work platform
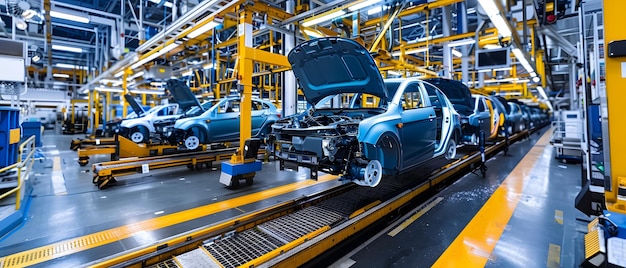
(147, 208)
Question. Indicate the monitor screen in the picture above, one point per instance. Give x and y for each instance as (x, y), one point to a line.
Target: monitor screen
(493, 58)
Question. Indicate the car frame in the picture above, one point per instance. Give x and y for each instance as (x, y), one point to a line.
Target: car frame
(395, 132)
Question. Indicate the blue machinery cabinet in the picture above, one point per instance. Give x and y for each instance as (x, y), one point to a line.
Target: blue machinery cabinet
(9, 135)
(32, 128)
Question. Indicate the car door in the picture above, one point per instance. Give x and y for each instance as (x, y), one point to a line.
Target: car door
(482, 113)
(260, 111)
(224, 121)
(419, 126)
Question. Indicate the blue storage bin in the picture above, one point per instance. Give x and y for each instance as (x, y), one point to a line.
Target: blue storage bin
(9, 135)
(30, 129)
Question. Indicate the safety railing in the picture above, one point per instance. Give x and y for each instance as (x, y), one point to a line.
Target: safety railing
(26, 156)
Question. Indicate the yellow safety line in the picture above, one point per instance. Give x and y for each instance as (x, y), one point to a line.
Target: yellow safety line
(554, 256)
(413, 218)
(78, 244)
(474, 245)
(558, 216)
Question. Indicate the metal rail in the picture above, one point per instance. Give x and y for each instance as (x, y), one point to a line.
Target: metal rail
(26, 153)
(296, 231)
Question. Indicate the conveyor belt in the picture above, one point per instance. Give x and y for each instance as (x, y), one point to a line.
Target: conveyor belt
(293, 233)
(107, 172)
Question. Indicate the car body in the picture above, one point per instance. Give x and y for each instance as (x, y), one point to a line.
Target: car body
(220, 123)
(374, 127)
(484, 104)
(151, 122)
(461, 97)
(502, 108)
(139, 129)
(517, 120)
(527, 117)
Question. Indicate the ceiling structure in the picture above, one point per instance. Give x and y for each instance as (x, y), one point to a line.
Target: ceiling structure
(100, 43)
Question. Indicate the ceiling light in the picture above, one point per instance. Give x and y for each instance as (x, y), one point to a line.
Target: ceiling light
(492, 46)
(208, 66)
(320, 19)
(409, 51)
(378, 9)
(536, 79)
(206, 27)
(542, 92)
(461, 42)
(187, 73)
(495, 16)
(394, 73)
(522, 59)
(20, 23)
(313, 33)
(70, 66)
(109, 81)
(119, 74)
(28, 14)
(157, 84)
(146, 91)
(67, 16)
(363, 4)
(109, 89)
(166, 4)
(457, 53)
(66, 48)
(135, 76)
(154, 55)
(61, 75)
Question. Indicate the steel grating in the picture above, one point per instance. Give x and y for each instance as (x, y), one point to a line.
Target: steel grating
(242, 247)
(293, 226)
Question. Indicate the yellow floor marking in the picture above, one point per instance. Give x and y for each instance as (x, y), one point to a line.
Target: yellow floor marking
(554, 256)
(558, 216)
(413, 218)
(58, 181)
(474, 245)
(78, 244)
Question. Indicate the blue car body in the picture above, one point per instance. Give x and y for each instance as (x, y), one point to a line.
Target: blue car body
(220, 123)
(360, 125)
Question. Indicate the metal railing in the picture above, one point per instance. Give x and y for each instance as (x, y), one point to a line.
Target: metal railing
(26, 156)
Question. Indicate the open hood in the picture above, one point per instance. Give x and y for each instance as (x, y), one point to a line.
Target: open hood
(182, 94)
(329, 66)
(139, 111)
(458, 94)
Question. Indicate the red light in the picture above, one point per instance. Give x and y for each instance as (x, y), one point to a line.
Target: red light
(550, 18)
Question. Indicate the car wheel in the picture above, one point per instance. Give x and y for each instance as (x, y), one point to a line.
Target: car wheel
(138, 135)
(192, 142)
(451, 149)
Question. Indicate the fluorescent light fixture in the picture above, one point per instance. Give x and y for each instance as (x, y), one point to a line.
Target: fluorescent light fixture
(378, 9)
(363, 4)
(146, 91)
(206, 27)
(536, 79)
(67, 48)
(109, 81)
(119, 74)
(173, 77)
(520, 57)
(542, 92)
(166, 4)
(313, 33)
(457, 53)
(187, 73)
(135, 76)
(108, 89)
(461, 42)
(496, 17)
(61, 75)
(67, 16)
(492, 46)
(208, 66)
(70, 66)
(154, 55)
(157, 84)
(503, 69)
(409, 51)
(327, 17)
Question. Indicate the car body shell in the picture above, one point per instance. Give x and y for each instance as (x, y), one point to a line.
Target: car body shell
(221, 122)
(409, 122)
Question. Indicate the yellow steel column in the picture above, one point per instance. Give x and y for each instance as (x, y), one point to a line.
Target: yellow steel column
(127, 72)
(98, 108)
(245, 80)
(108, 102)
(615, 95)
(144, 99)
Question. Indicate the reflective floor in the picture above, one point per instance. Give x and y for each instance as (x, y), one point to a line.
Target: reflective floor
(520, 215)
